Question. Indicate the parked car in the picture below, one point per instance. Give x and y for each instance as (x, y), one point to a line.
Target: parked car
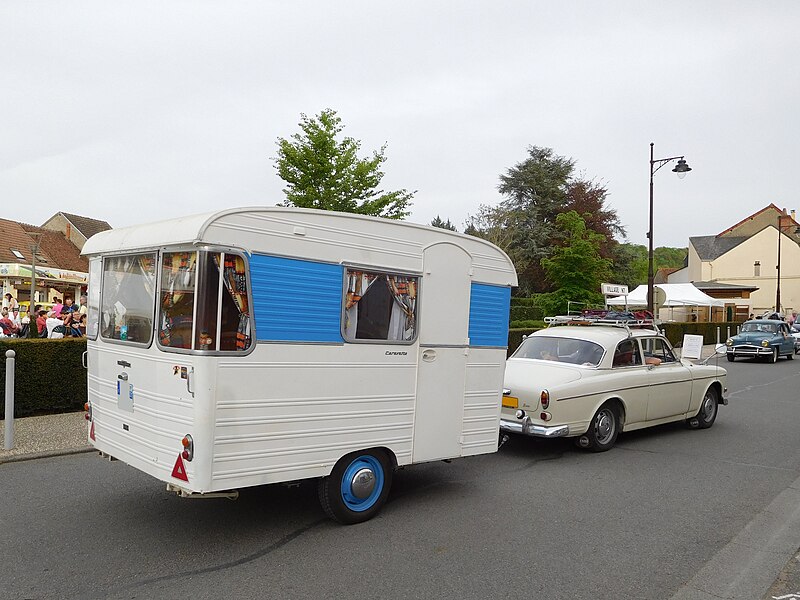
(765, 338)
(593, 382)
(796, 335)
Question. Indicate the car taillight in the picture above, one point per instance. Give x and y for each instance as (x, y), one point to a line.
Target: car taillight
(188, 447)
(545, 399)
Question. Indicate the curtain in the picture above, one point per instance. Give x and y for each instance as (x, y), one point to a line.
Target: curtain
(404, 291)
(358, 282)
(234, 278)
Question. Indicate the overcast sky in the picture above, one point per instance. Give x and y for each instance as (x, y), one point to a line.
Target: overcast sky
(138, 111)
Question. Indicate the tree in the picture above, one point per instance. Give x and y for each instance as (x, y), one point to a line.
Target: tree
(576, 269)
(535, 192)
(323, 172)
(437, 222)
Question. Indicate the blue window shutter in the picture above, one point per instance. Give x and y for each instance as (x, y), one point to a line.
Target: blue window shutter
(296, 300)
(488, 315)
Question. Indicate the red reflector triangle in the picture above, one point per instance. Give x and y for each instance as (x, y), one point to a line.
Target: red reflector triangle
(179, 471)
(91, 432)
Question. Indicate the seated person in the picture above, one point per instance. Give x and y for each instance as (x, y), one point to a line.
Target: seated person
(652, 360)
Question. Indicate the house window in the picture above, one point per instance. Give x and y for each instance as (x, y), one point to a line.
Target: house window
(380, 306)
(17, 253)
(757, 269)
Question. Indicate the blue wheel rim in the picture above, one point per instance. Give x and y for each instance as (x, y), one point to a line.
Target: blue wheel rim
(350, 500)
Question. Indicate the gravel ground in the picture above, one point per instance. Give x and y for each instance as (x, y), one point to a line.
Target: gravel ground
(46, 436)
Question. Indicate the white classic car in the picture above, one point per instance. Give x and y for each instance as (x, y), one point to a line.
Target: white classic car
(594, 380)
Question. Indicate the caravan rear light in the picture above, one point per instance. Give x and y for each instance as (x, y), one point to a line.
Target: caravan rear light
(545, 399)
(188, 445)
(88, 408)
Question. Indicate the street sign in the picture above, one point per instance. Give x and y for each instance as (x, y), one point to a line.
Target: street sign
(613, 289)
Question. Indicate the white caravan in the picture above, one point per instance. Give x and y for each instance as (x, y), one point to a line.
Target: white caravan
(260, 345)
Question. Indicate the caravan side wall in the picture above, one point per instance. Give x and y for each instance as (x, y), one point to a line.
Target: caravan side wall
(305, 397)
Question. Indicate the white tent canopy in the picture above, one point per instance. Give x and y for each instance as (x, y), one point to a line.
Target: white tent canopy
(675, 294)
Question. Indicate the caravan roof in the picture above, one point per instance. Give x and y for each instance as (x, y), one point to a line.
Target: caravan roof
(312, 234)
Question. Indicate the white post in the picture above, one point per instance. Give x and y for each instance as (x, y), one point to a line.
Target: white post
(9, 432)
(717, 336)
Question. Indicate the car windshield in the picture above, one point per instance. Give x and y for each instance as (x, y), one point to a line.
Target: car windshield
(578, 352)
(764, 327)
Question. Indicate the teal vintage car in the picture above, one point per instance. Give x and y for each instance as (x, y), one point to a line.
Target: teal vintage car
(767, 338)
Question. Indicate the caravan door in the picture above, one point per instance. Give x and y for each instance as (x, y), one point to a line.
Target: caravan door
(443, 348)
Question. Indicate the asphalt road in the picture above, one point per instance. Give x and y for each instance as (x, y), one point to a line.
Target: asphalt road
(540, 519)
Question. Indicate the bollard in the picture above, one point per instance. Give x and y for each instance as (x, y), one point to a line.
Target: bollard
(9, 433)
(717, 336)
(729, 333)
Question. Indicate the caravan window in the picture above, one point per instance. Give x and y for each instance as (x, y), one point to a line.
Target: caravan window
(380, 306)
(93, 299)
(127, 298)
(214, 287)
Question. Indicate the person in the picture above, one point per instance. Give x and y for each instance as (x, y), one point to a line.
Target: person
(792, 318)
(41, 322)
(69, 307)
(83, 309)
(11, 302)
(57, 306)
(55, 326)
(13, 314)
(6, 324)
(79, 327)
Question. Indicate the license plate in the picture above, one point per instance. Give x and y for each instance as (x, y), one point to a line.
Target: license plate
(510, 402)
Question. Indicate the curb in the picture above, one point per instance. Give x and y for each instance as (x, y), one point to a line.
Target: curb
(46, 454)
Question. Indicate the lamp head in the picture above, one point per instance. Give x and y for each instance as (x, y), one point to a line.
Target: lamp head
(681, 168)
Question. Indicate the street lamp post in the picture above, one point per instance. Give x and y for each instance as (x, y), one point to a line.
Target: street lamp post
(655, 164)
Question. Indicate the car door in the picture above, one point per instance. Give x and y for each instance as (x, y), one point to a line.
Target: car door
(787, 343)
(629, 377)
(670, 382)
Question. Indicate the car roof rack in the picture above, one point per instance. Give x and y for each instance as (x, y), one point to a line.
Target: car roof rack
(627, 321)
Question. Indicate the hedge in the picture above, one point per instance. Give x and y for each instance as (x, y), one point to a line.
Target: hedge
(517, 301)
(49, 376)
(526, 313)
(676, 331)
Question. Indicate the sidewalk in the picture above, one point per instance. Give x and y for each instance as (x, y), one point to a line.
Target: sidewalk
(49, 435)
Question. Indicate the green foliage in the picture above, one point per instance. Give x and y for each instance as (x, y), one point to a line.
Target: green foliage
(528, 323)
(49, 375)
(576, 269)
(437, 222)
(324, 173)
(532, 300)
(630, 262)
(526, 313)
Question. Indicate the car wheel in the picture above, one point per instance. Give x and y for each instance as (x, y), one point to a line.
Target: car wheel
(790, 356)
(357, 487)
(603, 430)
(708, 409)
(731, 357)
(774, 357)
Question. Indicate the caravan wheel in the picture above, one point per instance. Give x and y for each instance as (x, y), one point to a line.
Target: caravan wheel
(357, 487)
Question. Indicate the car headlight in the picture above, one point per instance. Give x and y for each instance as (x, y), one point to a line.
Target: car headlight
(765, 343)
(729, 342)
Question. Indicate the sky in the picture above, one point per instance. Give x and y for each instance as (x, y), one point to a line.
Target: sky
(132, 112)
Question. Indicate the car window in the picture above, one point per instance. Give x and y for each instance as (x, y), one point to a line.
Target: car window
(578, 352)
(627, 354)
(657, 351)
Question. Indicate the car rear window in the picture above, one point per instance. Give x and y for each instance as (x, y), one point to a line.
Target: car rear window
(565, 350)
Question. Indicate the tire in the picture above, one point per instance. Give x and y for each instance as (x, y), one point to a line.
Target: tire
(774, 358)
(731, 357)
(339, 495)
(709, 407)
(603, 430)
(790, 356)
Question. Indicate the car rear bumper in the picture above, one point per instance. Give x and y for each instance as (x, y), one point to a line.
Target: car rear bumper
(526, 427)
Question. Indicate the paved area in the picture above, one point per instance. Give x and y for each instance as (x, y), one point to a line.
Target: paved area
(48, 435)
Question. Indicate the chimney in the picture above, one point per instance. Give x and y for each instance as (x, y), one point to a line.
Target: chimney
(793, 214)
